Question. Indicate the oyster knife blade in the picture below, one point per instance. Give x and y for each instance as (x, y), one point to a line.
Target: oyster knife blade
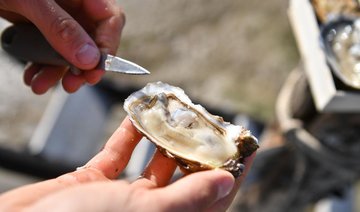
(117, 64)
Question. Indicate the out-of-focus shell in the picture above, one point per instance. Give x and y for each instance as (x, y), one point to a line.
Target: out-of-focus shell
(341, 41)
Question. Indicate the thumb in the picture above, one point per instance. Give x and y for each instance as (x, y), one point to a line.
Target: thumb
(197, 191)
(61, 30)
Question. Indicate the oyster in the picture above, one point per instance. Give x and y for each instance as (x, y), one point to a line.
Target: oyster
(341, 42)
(186, 132)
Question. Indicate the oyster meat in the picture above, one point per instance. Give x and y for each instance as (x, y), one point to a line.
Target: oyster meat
(187, 132)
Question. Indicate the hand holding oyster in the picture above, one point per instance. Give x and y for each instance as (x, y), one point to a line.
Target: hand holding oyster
(188, 133)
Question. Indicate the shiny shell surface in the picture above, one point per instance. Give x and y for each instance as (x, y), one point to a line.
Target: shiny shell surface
(341, 42)
(187, 132)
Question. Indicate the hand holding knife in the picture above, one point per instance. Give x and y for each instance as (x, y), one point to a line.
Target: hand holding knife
(25, 42)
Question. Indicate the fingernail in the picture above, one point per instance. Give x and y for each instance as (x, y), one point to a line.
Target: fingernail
(225, 187)
(87, 54)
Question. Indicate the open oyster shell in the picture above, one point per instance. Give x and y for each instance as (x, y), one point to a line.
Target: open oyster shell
(186, 132)
(341, 42)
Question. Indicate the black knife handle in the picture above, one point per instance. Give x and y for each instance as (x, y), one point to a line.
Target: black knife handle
(25, 42)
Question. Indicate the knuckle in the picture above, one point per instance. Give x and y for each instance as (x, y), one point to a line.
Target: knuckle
(65, 28)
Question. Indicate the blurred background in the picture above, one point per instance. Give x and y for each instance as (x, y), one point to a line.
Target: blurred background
(230, 55)
(234, 54)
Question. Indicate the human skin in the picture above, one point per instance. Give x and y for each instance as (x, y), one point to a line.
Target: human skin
(78, 29)
(95, 187)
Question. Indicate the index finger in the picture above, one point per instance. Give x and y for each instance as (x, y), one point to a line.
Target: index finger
(115, 155)
(61, 30)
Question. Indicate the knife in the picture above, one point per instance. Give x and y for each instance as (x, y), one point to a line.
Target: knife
(25, 42)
